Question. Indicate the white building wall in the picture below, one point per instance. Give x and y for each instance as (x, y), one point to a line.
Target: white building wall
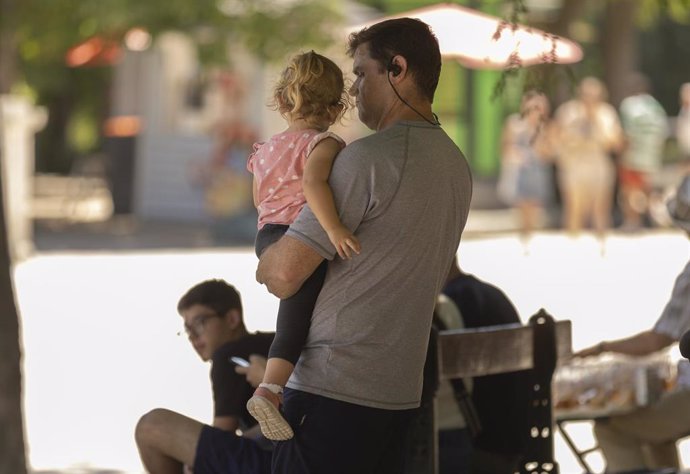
(176, 139)
(165, 188)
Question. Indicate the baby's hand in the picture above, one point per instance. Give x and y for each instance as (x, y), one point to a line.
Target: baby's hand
(344, 242)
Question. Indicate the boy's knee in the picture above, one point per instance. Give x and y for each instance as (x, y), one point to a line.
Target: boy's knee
(149, 425)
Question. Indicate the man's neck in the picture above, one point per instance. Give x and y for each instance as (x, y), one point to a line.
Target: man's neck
(400, 112)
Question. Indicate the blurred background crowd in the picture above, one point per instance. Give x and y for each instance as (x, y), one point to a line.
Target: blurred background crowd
(146, 113)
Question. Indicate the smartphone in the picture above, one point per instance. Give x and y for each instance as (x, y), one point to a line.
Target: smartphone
(239, 361)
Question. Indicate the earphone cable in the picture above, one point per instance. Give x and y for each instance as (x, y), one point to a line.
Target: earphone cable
(436, 122)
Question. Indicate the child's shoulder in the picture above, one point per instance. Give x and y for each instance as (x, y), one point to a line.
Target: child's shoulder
(292, 140)
(320, 136)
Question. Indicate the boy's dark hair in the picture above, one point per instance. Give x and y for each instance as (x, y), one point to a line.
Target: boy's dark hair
(407, 37)
(216, 294)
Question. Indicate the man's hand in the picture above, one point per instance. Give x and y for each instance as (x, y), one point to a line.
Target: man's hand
(255, 371)
(285, 265)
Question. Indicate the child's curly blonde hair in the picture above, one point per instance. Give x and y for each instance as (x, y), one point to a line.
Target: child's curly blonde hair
(312, 88)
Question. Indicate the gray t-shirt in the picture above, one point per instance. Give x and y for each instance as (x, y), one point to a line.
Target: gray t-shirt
(405, 192)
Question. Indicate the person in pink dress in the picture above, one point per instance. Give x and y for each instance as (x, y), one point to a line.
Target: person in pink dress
(290, 170)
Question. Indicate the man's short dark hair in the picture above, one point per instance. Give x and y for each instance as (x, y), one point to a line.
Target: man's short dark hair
(407, 37)
(216, 294)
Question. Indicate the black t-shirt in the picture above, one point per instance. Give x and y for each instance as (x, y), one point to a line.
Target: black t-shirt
(501, 400)
(230, 389)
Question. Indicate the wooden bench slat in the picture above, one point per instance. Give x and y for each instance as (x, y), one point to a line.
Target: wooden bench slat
(494, 349)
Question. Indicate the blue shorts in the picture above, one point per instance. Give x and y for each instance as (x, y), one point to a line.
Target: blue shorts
(223, 452)
(533, 183)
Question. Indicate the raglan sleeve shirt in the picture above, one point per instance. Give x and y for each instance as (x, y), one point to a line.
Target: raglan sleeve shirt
(675, 319)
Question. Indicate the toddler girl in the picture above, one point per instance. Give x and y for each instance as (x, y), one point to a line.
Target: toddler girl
(292, 169)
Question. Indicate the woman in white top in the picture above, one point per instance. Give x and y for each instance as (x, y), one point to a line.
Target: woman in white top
(588, 131)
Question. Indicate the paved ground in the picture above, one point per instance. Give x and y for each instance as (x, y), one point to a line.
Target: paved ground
(128, 233)
(79, 220)
(99, 322)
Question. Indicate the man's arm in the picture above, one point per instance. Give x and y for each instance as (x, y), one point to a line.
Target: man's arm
(285, 265)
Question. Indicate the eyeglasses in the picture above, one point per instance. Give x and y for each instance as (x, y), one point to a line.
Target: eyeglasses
(197, 326)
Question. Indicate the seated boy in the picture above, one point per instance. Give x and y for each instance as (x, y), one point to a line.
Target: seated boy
(167, 441)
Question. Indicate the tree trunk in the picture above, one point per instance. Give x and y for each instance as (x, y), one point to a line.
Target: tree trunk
(12, 450)
(569, 12)
(619, 42)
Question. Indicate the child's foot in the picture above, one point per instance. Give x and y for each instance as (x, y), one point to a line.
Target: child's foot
(264, 406)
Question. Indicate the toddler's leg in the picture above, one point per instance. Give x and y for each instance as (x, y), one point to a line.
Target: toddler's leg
(294, 319)
(292, 328)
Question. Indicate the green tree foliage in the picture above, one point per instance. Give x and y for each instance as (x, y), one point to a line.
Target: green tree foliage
(46, 29)
(35, 36)
(650, 11)
(272, 31)
(650, 18)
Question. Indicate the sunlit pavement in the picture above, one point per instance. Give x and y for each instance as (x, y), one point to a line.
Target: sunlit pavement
(101, 344)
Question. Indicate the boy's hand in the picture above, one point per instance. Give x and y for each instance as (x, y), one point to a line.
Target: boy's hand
(255, 371)
(344, 242)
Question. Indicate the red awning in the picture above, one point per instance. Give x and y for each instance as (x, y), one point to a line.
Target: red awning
(95, 51)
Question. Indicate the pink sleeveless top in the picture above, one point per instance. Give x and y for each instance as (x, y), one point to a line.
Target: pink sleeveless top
(278, 167)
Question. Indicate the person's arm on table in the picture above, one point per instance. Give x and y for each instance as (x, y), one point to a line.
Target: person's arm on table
(646, 342)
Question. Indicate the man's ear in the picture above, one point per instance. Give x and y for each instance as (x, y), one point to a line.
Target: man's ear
(397, 68)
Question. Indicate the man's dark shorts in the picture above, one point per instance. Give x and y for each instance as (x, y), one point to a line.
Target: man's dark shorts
(223, 452)
(334, 437)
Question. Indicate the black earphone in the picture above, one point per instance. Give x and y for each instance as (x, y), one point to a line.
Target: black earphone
(393, 68)
(396, 69)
